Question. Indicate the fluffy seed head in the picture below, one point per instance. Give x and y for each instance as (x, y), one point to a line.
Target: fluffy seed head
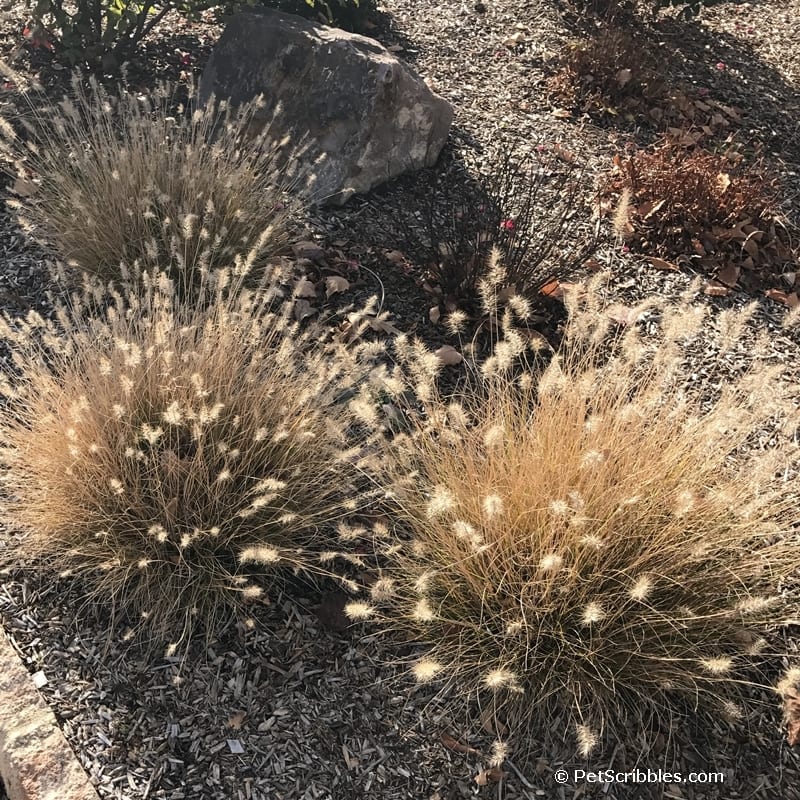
(426, 670)
(359, 611)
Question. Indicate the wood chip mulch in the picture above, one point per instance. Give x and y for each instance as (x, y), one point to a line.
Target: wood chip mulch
(285, 706)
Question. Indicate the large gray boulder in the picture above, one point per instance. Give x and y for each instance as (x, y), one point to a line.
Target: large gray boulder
(367, 114)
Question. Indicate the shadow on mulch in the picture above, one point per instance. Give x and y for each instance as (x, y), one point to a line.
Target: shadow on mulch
(734, 73)
(393, 220)
(727, 66)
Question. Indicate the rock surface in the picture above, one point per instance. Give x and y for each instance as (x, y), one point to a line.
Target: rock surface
(350, 101)
(36, 763)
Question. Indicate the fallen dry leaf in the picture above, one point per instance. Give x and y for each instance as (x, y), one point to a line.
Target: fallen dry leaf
(310, 250)
(789, 299)
(624, 76)
(791, 716)
(751, 246)
(729, 275)
(593, 264)
(491, 775)
(552, 288)
(660, 263)
(435, 314)
(395, 256)
(236, 719)
(451, 743)
(565, 155)
(382, 325)
(561, 113)
(305, 288)
(303, 309)
(716, 289)
(448, 355)
(335, 284)
(723, 181)
(515, 39)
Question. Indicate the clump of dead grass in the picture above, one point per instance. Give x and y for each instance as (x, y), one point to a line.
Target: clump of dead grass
(596, 547)
(139, 178)
(183, 459)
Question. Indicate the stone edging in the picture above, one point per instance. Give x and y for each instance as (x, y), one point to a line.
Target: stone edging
(36, 762)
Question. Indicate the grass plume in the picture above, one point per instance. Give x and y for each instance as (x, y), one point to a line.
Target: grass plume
(183, 459)
(140, 179)
(593, 543)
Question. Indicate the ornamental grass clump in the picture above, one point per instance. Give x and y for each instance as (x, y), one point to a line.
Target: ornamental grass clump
(139, 178)
(181, 461)
(597, 548)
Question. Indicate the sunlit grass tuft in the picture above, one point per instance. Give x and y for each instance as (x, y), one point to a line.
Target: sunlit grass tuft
(184, 459)
(115, 180)
(601, 546)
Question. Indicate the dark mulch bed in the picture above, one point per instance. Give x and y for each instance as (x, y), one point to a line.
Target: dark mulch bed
(322, 717)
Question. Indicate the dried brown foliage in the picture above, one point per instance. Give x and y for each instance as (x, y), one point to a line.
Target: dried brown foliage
(620, 75)
(706, 206)
(611, 73)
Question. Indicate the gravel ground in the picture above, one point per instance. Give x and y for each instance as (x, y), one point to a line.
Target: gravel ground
(287, 705)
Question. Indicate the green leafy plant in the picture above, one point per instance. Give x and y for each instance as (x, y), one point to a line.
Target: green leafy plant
(110, 181)
(183, 459)
(102, 34)
(594, 548)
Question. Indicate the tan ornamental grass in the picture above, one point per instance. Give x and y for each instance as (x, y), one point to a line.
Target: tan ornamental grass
(182, 460)
(139, 178)
(595, 547)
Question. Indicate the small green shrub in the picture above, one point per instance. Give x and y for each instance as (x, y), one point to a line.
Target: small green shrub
(138, 178)
(182, 460)
(102, 34)
(346, 12)
(587, 552)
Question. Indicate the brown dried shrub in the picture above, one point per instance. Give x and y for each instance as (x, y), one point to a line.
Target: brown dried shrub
(711, 207)
(618, 75)
(609, 74)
